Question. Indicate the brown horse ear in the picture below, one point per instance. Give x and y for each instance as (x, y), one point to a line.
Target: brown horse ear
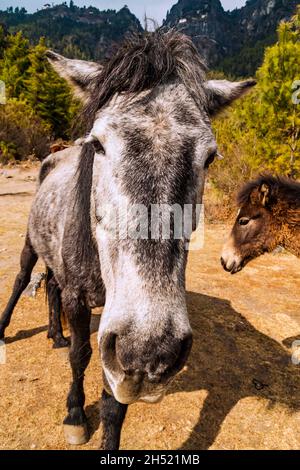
(264, 194)
(260, 195)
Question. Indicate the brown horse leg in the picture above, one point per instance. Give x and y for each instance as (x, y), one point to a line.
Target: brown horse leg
(55, 330)
(112, 415)
(79, 315)
(27, 263)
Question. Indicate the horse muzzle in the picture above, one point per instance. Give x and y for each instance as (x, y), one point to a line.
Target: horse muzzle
(231, 261)
(134, 372)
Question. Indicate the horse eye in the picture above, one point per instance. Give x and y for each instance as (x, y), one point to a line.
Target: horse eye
(210, 159)
(98, 147)
(244, 220)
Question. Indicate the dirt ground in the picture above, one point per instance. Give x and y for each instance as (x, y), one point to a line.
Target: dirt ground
(239, 389)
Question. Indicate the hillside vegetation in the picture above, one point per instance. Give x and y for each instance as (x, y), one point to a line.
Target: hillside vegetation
(82, 33)
(260, 132)
(39, 106)
(230, 41)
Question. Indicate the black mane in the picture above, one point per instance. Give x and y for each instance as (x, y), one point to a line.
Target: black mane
(84, 246)
(280, 187)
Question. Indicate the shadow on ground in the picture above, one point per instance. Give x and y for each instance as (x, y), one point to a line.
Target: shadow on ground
(24, 334)
(232, 360)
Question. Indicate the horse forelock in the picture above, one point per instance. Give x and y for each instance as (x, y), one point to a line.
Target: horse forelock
(145, 61)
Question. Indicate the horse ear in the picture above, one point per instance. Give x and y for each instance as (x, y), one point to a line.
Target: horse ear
(78, 73)
(221, 93)
(260, 195)
(264, 191)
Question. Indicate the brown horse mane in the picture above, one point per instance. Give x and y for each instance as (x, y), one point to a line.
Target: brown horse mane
(282, 189)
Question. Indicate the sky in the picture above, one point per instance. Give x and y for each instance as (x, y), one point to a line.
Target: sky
(156, 9)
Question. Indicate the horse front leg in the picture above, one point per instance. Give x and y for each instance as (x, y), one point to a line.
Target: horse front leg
(27, 263)
(78, 314)
(112, 415)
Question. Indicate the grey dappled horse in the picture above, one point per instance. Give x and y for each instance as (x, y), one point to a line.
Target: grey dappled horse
(148, 141)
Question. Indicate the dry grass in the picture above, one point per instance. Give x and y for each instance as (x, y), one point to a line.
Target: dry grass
(241, 326)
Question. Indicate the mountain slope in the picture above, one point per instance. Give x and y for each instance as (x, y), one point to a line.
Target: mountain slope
(231, 41)
(77, 32)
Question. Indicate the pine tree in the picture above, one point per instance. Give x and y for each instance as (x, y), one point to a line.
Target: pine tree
(279, 116)
(3, 43)
(15, 64)
(48, 95)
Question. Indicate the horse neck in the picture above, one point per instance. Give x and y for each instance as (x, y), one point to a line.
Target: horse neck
(290, 231)
(291, 242)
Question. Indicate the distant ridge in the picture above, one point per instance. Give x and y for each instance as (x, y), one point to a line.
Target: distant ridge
(233, 42)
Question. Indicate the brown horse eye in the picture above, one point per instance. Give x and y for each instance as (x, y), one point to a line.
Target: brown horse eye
(244, 221)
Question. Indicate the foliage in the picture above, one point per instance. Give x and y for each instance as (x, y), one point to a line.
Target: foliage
(245, 62)
(262, 131)
(15, 64)
(279, 117)
(22, 132)
(47, 94)
(83, 33)
(37, 97)
(3, 41)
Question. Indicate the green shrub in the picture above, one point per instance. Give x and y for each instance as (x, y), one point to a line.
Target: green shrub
(22, 132)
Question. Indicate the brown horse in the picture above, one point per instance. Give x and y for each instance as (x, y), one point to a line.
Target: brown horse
(269, 216)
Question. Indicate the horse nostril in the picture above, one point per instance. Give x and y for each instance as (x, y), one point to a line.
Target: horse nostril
(225, 266)
(110, 342)
(228, 267)
(184, 351)
(108, 349)
(186, 346)
(138, 377)
(135, 375)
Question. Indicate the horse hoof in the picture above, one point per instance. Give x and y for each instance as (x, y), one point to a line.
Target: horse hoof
(76, 435)
(61, 343)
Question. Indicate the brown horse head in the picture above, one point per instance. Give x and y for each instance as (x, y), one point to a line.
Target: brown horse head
(268, 216)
